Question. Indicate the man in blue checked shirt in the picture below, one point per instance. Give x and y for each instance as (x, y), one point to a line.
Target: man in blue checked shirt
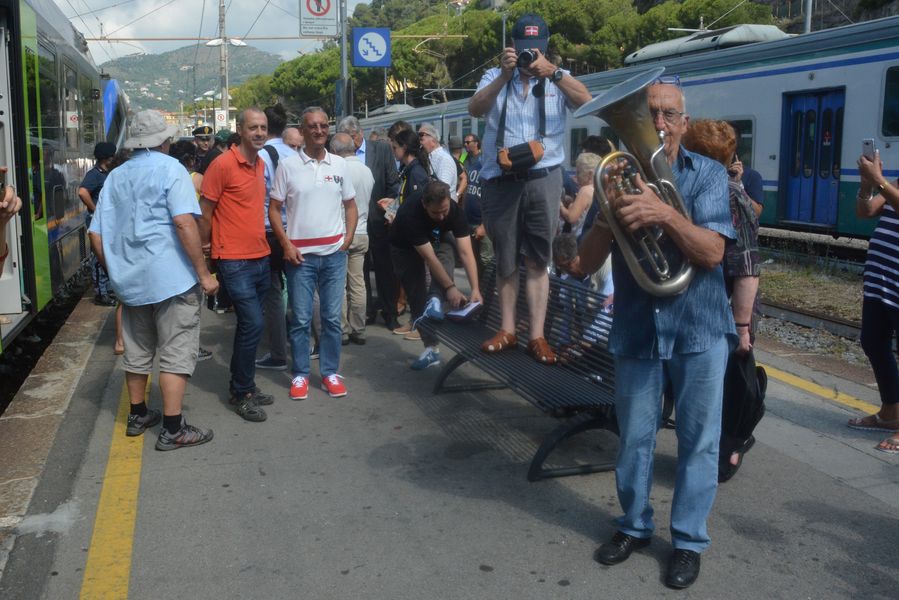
(679, 341)
(521, 209)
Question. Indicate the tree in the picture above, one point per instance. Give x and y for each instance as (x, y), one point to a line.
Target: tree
(255, 91)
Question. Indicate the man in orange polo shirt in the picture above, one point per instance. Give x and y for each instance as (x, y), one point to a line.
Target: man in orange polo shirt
(233, 200)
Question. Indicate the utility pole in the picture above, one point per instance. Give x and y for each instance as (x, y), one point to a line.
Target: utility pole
(223, 62)
(344, 72)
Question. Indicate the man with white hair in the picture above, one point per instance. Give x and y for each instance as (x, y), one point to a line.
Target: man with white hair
(354, 302)
(443, 167)
(144, 232)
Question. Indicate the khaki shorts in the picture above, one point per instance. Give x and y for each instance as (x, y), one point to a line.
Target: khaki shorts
(170, 328)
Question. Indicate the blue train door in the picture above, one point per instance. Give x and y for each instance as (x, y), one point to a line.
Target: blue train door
(811, 166)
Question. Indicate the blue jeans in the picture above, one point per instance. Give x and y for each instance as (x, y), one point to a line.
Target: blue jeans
(328, 274)
(247, 281)
(698, 383)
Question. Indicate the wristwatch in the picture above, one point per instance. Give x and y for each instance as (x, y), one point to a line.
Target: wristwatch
(880, 187)
(557, 75)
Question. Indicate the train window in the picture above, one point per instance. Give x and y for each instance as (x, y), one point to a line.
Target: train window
(744, 130)
(890, 124)
(837, 143)
(826, 143)
(578, 134)
(796, 150)
(72, 109)
(89, 112)
(35, 189)
(49, 94)
(453, 129)
(808, 143)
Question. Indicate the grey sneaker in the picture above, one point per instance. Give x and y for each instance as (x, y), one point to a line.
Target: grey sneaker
(248, 407)
(188, 435)
(261, 399)
(137, 424)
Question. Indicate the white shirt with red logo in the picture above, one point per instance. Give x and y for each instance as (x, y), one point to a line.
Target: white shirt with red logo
(315, 193)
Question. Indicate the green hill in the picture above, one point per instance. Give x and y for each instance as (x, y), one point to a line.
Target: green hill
(166, 80)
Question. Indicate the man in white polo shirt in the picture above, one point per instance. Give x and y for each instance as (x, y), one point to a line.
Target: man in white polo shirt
(319, 198)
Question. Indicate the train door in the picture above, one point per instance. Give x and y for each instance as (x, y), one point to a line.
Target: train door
(810, 173)
(10, 272)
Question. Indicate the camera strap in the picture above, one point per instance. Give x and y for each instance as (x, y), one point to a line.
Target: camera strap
(541, 109)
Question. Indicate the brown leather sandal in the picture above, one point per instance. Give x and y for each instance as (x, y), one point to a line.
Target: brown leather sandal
(542, 353)
(499, 342)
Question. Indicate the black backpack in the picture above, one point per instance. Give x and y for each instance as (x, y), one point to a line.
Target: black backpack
(745, 384)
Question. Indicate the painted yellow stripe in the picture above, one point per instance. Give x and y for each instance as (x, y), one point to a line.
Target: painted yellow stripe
(820, 390)
(108, 569)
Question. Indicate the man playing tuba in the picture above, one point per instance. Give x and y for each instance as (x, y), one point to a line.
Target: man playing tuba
(681, 341)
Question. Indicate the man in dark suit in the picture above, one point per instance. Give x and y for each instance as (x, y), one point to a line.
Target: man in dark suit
(378, 157)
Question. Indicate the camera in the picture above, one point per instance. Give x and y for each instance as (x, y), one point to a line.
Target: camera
(526, 57)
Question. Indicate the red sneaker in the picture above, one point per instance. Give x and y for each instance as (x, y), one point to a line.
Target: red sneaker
(334, 386)
(299, 388)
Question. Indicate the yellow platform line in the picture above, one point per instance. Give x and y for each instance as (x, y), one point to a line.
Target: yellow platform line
(820, 390)
(108, 569)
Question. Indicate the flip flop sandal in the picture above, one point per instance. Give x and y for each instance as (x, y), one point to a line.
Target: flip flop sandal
(540, 350)
(501, 341)
(892, 446)
(873, 423)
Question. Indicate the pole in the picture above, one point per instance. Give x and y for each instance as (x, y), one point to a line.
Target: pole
(503, 45)
(385, 87)
(344, 76)
(807, 25)
(223, 62)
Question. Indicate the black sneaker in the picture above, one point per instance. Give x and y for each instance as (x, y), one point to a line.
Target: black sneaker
(203, 354)
(104, 300)
(138, 424)
(249, 409)
(315, 352)
(188, 435)
(261, 399)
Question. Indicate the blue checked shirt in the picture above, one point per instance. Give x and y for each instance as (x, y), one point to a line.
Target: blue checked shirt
(523, 122)
(648, 327)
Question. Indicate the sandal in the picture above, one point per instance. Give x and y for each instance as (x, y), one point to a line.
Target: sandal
(873, 423)
(499, 342)
(889, 445)
(540, 350)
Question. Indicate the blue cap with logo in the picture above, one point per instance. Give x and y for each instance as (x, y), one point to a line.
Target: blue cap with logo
(530, 31)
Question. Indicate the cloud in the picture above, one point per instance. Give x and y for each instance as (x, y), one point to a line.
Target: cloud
(182, 19)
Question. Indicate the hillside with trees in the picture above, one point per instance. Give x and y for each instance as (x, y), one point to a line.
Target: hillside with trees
(586, 36)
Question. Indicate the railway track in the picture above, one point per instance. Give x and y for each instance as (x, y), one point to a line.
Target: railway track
(835, 325)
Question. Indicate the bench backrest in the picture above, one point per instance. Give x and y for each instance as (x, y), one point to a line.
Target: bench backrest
(576, 327)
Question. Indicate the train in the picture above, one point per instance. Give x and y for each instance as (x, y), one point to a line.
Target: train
(55, 105)
(802, 104)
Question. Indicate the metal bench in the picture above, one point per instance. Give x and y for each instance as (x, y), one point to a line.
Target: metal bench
(580, 389)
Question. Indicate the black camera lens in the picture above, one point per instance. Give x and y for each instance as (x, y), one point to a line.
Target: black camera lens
(526, 57)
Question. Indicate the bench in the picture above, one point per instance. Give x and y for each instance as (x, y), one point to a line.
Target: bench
(580, 389)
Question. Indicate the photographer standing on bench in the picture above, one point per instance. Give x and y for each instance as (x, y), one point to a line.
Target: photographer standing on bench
(420, 236)
(525, 102)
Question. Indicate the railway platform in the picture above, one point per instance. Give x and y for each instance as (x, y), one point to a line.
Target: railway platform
(393, 493)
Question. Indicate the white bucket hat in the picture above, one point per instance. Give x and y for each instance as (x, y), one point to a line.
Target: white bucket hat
(148, 130)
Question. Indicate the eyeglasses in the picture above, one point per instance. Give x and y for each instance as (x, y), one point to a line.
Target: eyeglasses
(671, 116)
(423, 134)
(469, 141)
(669, 80)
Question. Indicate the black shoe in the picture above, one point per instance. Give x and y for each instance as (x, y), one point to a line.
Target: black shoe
(619, 548)
(358, 338)
(105, 300)
(683, 569)
(371, 318)
(391, 323)
(313, 355)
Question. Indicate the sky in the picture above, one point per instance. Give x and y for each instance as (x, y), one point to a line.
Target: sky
(186, 18)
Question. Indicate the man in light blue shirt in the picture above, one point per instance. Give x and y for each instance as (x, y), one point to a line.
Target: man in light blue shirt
(680, 341)
(145, 234)
(521, 208)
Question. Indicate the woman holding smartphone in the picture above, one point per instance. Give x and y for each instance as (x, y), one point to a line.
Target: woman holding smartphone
(10, 204)
(877, 197)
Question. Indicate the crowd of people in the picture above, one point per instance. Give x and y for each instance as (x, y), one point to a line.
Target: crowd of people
(317, 214)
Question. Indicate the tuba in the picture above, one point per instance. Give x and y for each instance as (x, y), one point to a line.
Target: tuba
(656, 263)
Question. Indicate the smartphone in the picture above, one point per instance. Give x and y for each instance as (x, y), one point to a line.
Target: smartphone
(2, 183)
(868, 148)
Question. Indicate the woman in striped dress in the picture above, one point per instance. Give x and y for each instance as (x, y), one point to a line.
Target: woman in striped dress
(877, 197)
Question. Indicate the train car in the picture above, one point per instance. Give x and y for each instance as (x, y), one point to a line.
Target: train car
(51, 116)
(802, 105)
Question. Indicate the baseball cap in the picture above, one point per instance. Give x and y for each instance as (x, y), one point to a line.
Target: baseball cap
(104, 150)
(530, 31)
(429, 129)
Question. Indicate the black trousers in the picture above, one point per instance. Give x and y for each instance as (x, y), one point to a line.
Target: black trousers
(412, 272)
(385, 277)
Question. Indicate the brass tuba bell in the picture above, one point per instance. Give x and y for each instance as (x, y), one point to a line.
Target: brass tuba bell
(656, 263)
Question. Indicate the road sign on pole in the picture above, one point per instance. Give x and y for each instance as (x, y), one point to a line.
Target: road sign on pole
(371, 47)
(318, 18)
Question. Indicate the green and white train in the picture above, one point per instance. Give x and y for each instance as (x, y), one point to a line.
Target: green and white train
(802, 105)
(51, 115)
